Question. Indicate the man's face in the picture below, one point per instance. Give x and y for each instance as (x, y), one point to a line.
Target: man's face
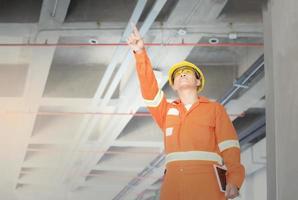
(185, 78)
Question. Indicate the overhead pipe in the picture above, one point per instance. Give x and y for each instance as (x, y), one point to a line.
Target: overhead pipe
(234, 44)
(137, 114)
(240, 83)
(256, 130)
(155, 29)
(30, 149)
(96, 175)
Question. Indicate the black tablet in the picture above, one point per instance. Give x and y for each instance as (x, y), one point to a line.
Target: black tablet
(220, 172)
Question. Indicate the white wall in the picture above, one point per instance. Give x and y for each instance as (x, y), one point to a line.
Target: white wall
(254, 161)
(255, 186)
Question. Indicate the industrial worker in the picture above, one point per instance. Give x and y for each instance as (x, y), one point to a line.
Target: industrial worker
(197, 132)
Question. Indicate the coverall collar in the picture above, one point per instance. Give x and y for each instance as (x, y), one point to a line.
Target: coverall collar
(201, 99)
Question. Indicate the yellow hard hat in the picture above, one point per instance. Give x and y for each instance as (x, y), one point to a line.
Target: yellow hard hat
(186, 64)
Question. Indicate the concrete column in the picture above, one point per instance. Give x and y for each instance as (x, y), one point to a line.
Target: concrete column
(281, 73)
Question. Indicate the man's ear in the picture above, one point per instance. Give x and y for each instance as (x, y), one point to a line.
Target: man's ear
(198, 82)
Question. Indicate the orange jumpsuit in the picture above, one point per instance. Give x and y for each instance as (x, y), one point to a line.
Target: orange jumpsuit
(194, 140)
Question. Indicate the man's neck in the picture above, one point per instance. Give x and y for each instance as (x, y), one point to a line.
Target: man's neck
(189, 96)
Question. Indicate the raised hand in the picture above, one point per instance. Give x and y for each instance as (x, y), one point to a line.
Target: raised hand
(135, 40)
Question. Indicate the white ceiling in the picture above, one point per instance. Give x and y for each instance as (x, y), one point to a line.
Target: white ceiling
(66, 113)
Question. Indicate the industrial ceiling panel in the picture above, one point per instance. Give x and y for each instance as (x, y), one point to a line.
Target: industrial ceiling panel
(100, 11)
(15, 76)
(242, 10)
(164, 13)
(58, 128)
(141, 128)
(113, 10)
(77, 71)
(20, 11)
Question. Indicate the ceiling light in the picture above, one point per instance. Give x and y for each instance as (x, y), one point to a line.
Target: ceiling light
(182, 32)
(93, 41)
(213, 41)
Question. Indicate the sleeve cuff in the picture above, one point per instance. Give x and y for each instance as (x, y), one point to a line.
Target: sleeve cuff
(141, 55)
(235, 181)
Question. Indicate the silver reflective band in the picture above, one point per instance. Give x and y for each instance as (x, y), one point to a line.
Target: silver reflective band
(228, 144)
(194, 155)
(156, 101)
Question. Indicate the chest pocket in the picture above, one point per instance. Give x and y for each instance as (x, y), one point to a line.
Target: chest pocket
(202, 132)
(205, 122)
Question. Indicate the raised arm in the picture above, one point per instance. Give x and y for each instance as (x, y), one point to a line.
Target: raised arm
(154, 98)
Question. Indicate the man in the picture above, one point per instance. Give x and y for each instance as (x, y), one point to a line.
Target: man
(197, 132)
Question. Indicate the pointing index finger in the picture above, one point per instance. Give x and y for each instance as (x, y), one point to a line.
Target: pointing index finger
(136, 31)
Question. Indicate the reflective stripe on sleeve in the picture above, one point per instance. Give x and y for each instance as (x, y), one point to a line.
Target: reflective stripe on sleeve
(156, 101)
(228, 144)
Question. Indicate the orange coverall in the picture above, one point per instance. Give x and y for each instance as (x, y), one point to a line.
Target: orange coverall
(204, 128)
